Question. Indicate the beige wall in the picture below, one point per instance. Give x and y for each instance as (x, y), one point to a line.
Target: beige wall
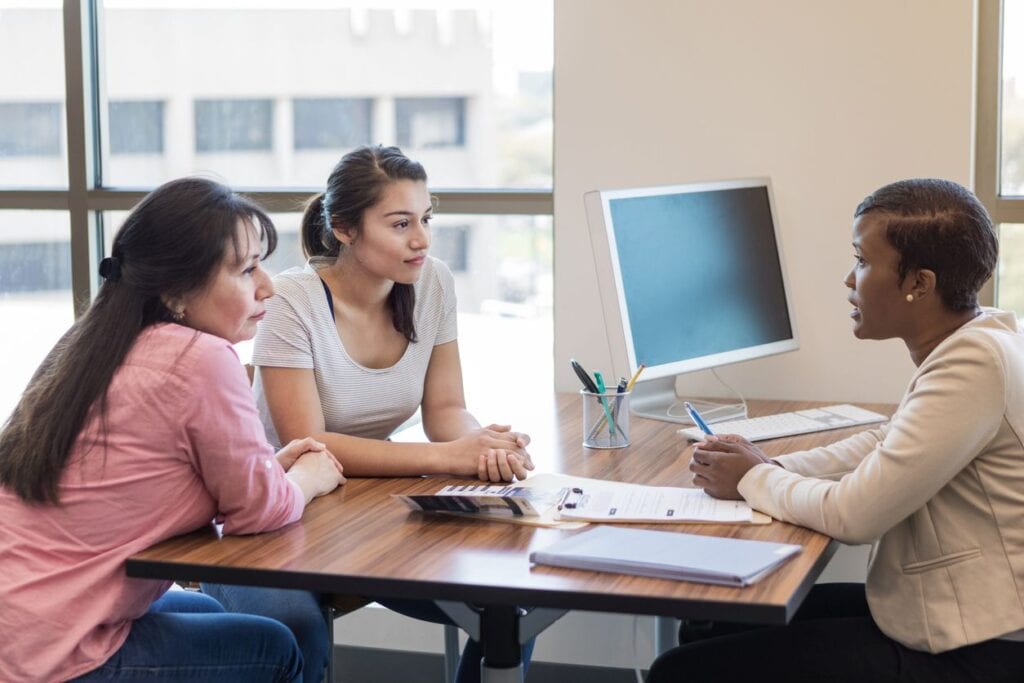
(830, 99)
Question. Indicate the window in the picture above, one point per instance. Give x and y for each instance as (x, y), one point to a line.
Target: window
(33, 146)
(430, 121)
(473, 106)
(234, 125)
(30, 129)
(136, 127)
(35, 295)
(338, 123)
(1011, 152)
(999, 164)
(465, 91)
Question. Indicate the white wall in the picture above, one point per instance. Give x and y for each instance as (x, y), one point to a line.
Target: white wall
(829, 99)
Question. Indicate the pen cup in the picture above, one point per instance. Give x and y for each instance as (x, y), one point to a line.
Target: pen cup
(605, 419)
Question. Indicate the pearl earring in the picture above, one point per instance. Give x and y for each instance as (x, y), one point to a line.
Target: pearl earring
(910, 298)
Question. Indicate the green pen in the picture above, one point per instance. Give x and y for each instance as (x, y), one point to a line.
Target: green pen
(604, 404)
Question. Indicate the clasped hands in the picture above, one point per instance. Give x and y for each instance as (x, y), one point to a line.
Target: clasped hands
(493, 453)
(720, 461)
(317, 471)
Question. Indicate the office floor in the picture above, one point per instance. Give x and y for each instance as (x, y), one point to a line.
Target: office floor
(369, 665)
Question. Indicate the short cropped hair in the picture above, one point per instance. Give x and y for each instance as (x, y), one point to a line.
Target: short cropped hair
(941, 226)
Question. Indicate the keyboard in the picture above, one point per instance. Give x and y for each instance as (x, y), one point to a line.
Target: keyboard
(789, 424)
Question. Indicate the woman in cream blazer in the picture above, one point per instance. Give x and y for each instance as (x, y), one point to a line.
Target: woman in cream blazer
(938, 490)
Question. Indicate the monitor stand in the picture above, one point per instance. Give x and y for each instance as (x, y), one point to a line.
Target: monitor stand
(657, 400)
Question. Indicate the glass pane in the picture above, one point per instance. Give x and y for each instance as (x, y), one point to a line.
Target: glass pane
(136, 127)
(234, 125)
(430, 122)
(503, 278)
(1012, 115)
(1010, 275)
(332, 122)
(464, 90)
(36, 306)
(33, 150)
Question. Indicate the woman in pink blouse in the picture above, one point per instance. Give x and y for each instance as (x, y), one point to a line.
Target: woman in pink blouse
(139, 425)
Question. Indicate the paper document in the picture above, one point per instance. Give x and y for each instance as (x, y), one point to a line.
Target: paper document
(668, 555)
(599, 500)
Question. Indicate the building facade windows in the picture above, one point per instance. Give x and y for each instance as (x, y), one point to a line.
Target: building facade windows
(332, 123)
(136, 127)
(424, 122)
(30, 129)
(234, 125)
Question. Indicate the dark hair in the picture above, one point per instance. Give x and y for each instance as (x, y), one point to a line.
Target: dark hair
(357, 183)
(170, 245)
(941, 226)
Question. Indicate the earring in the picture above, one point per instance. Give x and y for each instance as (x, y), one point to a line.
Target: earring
(910, 298)
(178, 314)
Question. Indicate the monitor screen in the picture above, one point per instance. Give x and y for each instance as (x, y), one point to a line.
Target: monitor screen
(691, 276)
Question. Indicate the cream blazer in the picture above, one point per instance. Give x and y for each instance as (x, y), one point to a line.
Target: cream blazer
(938, 490)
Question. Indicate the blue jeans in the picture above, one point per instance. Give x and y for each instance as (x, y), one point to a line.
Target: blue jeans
(300, 611)
(187, 636)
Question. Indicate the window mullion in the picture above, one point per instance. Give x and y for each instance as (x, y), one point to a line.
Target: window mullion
(83, 163)
(987, 121)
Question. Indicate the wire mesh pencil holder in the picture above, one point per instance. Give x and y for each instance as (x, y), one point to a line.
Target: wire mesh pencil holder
(605, 419)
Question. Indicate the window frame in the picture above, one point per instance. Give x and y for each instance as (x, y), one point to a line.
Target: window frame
(87, 196)
(987, 124)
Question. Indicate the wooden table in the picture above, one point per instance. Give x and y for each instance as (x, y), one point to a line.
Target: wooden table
(360, 541)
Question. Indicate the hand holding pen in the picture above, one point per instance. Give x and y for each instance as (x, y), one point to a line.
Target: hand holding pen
(697, 419)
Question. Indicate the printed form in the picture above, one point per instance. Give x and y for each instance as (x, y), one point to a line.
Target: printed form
(598, 500)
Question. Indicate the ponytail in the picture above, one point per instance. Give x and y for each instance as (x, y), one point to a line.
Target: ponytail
(317, 237)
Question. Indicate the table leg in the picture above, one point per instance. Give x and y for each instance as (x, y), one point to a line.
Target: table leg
(500, 642)
(666, 634)
(451, 652)
(501, 631)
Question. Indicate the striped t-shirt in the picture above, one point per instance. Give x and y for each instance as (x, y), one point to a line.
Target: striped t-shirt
(299, 332)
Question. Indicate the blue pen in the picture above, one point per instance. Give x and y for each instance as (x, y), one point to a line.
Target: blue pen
(697, 419)
(604, 404)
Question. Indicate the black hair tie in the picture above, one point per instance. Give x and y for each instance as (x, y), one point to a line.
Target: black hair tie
(110, 269)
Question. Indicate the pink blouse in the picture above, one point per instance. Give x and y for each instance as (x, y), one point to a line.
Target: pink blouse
(184, 445)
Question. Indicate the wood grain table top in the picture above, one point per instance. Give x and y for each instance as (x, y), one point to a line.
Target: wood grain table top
(360, 541)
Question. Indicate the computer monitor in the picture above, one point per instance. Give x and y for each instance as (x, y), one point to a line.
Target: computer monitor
(691, 277)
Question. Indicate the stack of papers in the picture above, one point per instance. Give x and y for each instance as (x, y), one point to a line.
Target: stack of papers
(668, 555)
